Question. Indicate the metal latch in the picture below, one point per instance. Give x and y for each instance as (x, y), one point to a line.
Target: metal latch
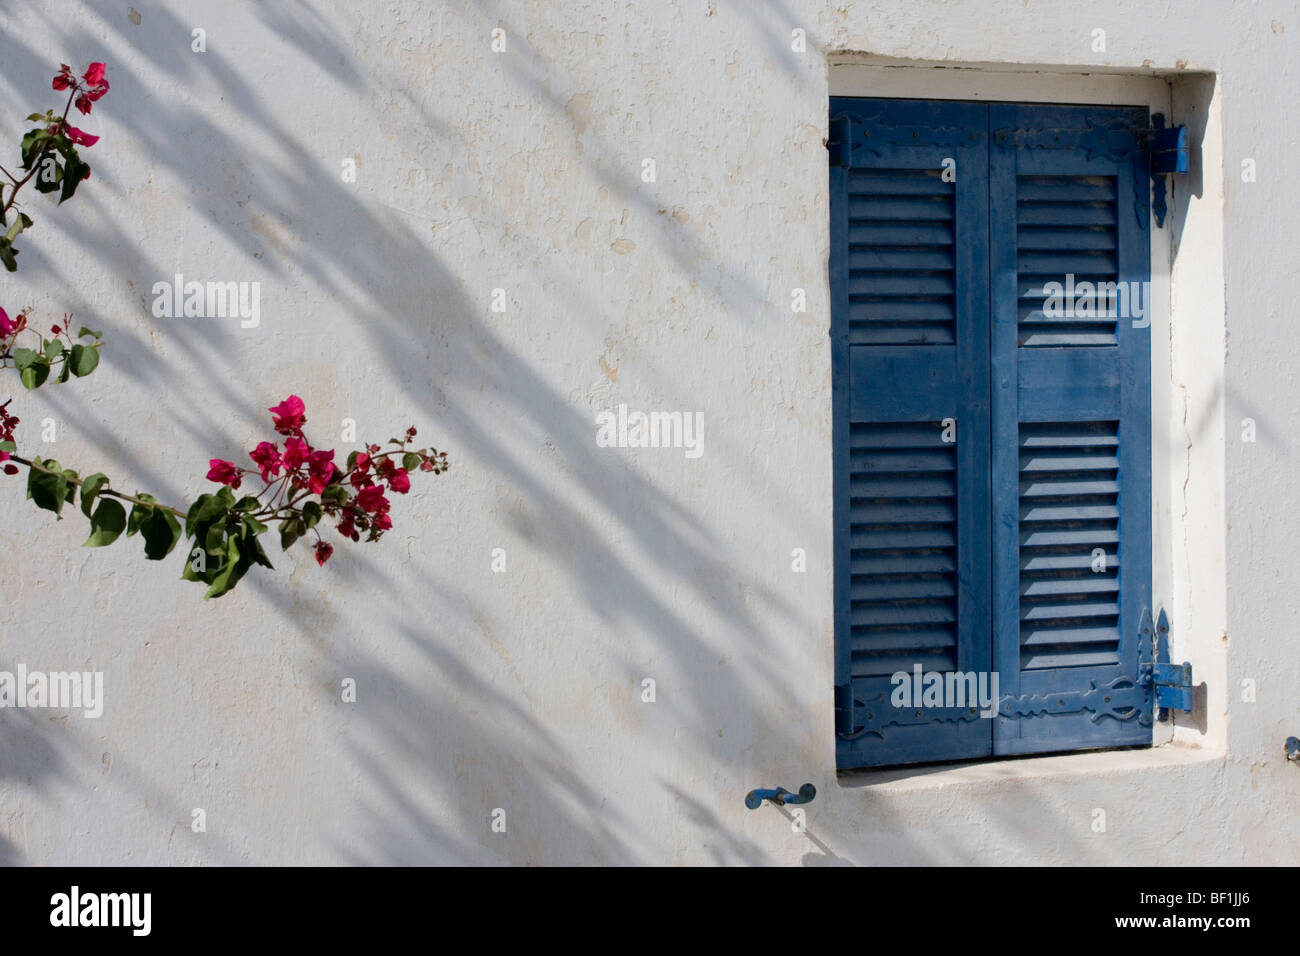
(780, 796)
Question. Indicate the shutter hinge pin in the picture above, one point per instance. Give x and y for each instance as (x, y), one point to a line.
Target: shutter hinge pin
(1169, 154)
(1172, 682)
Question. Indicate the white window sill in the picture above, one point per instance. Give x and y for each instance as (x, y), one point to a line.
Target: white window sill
(1097, 763)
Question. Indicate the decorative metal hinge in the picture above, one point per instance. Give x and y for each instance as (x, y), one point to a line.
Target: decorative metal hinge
(1122, 698)
(1169, 154)
(1172, 682)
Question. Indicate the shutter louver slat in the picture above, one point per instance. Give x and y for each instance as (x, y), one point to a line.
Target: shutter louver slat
(1061, 621)
(895, 606)
(1065, 225)
(902, 267)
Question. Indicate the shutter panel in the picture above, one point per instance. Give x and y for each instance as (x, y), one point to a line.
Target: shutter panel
(909, 327)
(1071, 454)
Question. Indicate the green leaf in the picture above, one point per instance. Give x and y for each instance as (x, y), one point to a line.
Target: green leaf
(53, 350)
(229, 575)
(8, 446)
(291, 529)
(34, 375)
(70, 477)
(84, 359)
(252, 527)
(8, 255)
(252, 545)
(33, 367)
(89, 489)
(247, 503)
(139, 513)
(335, 493)
(74, 171)
(16, 229)
(195, 510)
(311, 513)
(35, 117)
(48, 491)
(161, 531)
(411, 461)
(204, 510)
(88, 331)
(32, 144)
(106, 524)
(352, 461)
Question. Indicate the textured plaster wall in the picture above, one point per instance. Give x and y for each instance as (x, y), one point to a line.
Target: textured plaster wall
(521, 690)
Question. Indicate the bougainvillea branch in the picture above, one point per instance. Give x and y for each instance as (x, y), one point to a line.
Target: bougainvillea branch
(49, 153)
(301, 486)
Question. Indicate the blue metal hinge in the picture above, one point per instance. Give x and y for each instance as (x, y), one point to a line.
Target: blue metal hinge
(780, 796)
(1172, 682)
(1169, 154)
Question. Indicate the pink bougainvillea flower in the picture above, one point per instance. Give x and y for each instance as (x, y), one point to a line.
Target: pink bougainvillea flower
(12, 326)
(398, 480)
(347, 528)
(320, 470)
(267, 458)
(63, 79)
(223, 472)
(323, 552)
(361, 471)
(78, 136)
(86, 100)
(295, 452)
(94, 74)
(372, 499)
(381, 521)
(7, 425)
(289, 415)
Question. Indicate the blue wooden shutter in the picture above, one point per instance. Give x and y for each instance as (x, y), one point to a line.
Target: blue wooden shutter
(909, 286)
(1071, 457)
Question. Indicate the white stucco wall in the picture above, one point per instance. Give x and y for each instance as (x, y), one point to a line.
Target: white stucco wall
(522, 170)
